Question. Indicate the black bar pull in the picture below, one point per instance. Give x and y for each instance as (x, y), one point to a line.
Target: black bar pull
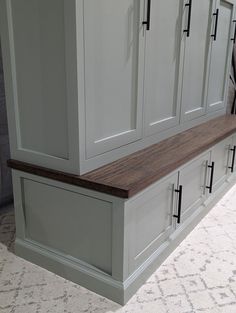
(180, 192)
(189, 5)
(148, 21)
(233, 159)
(212, 167)
(216, 14)
(234, 38)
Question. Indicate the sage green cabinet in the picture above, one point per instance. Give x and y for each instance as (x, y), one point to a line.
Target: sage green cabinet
(108, 244)
(221, 47)
(90, 81)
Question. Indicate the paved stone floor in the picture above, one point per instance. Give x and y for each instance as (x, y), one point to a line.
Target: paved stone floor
(200, 276)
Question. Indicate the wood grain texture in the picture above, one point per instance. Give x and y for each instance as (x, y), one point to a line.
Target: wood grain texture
(129, 175)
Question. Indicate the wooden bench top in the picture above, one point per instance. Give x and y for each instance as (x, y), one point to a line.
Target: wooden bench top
(131, 174)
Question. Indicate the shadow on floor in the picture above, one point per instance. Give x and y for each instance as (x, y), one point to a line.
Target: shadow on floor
(7, 226)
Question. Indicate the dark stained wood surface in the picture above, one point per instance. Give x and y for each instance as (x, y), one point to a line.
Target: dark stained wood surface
(129, 175)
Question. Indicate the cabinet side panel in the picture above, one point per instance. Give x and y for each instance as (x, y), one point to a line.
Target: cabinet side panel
(71, 223)
(38, 51)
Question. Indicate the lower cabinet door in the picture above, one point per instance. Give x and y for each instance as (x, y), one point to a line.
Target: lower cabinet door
(192, 178)
(232, 157)
(152, 219)
(221, 158)
(234, 139)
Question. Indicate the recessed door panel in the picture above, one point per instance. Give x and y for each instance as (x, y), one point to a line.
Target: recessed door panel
(220, 155)
(38, 47)
(232, 157)
(70, 223)
(196, 57)
(162, 107)
(153, 218)
(221, 47)
(113, 39)
(193, 179)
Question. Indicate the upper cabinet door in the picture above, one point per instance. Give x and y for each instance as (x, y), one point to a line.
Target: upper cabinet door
(162, 62)
(221, 48)
(114, 57)
(197, 28)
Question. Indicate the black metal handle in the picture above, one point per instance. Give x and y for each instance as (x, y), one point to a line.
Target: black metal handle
(233, 159)
(180, 192)
(189, 5)
(234, 38)
(148, 21)
(216, 14)
(212, 167)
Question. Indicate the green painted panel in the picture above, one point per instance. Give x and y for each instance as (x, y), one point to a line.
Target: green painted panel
(74, 224)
